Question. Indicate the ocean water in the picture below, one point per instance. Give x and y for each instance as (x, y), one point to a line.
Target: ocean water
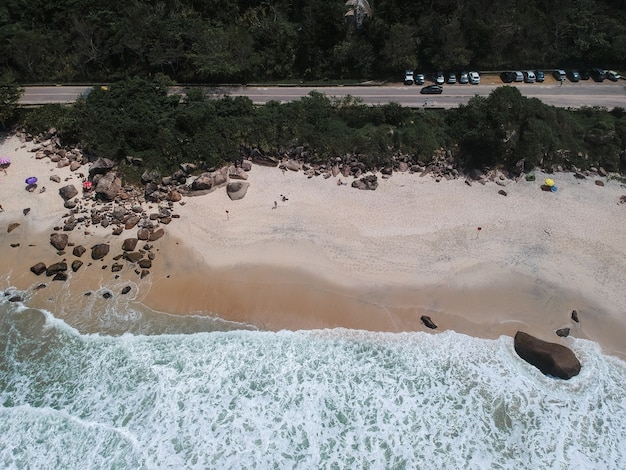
(336, 399)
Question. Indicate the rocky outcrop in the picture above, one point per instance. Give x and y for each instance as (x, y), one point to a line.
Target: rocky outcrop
(367, 182)
(550, 358)
(100, 167)
(427, 321)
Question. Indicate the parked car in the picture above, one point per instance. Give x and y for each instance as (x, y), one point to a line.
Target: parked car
(507, 77)
(474, 78)
(432, 90)
(540, 76)
(529, 76)
(585, 74)
(559, 75)
(463, 78)
(439, 78)
(408, 77)
(573, 75)
(419, 79)
(597, 74)
(519, 76)
(451, 78)
(613, 75)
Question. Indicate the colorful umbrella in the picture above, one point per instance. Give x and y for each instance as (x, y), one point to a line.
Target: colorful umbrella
(5, 162)
(31, 180)
(549, 182)
(87, 185)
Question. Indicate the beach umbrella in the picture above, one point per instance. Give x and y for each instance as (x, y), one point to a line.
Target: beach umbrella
(4, 162)
(87, 185)
(549, 182)
(31, 180)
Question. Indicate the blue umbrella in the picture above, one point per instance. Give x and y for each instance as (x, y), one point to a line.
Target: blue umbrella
(31, 180)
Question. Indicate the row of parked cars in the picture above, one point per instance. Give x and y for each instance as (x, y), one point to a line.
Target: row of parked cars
(532, 76)
(439, 78)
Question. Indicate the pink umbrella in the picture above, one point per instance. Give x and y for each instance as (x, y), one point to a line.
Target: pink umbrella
(5, 162)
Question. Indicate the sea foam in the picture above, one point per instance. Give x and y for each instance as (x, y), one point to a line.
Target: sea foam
(319, 399)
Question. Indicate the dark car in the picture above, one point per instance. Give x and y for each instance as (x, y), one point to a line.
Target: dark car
(585, 74)
(419, 79)
(597, 74)
(573, 75)
(559, 75)
(540, 76)
(431, 90)
(507, 77)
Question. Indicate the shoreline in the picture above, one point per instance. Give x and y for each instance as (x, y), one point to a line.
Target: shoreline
(333, 256)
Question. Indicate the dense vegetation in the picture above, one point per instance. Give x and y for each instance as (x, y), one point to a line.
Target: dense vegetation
(138, 118)
(259, 40)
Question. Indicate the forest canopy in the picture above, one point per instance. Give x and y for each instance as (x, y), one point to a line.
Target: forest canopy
(240, 41)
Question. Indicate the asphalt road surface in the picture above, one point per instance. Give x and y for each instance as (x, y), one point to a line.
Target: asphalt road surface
(570, 95)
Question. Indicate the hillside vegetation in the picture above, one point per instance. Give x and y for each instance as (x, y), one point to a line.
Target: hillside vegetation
(243, 41)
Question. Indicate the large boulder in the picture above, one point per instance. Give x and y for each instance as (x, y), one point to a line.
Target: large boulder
(237, 190)
(59, 240)
(109, 186)
(550, 358)
(99, 251)
(68, 192)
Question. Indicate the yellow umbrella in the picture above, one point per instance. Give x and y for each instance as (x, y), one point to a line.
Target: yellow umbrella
(549, 182)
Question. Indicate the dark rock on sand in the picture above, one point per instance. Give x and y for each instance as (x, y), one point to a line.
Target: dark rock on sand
(107, 295)
(99, 251)
(502, 192)
(143, 234)
(550, 358)
(125, 290)
(144, 273)
(60, 276)
(38, 269)
(563, 332)
(59, 240)
(145, 263)
(56, 268)
(116, 267)
(12, 227)
(79, 251)
(76, 264)
(158, 233)
(15, 298)
(367, 182)
(426, 320)
(129, 244)
(68, 192)
(26, 211)
(133, 256)
(575, 316)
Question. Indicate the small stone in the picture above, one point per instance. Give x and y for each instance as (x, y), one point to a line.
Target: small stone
(563, 332)
(575, 316)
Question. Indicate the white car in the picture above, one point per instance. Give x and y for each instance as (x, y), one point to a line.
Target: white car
(529, 76)
(408, 77)
(474, 78)
(613, 75)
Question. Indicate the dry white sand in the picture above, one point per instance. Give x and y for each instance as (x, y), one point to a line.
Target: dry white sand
(379, 259)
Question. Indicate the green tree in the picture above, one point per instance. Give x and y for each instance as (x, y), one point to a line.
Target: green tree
(10, 94)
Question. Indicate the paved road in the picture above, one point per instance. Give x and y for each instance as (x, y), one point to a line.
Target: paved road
(570, 95)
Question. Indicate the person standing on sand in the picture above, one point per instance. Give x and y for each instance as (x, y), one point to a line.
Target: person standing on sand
(227, 214)
(275, 205)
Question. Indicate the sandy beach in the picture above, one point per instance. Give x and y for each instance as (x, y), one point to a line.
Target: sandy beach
(332, 256)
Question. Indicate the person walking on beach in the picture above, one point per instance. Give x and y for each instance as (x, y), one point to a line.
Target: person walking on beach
(227, 214)
(275, 205)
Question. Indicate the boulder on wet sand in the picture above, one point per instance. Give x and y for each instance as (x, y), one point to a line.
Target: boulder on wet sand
(237, 190)
(550, 358)
(79, 251)
(59, 240)
(38, 268)
(129, 244)
(426, 320)
(55, 268)
(99, 251)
